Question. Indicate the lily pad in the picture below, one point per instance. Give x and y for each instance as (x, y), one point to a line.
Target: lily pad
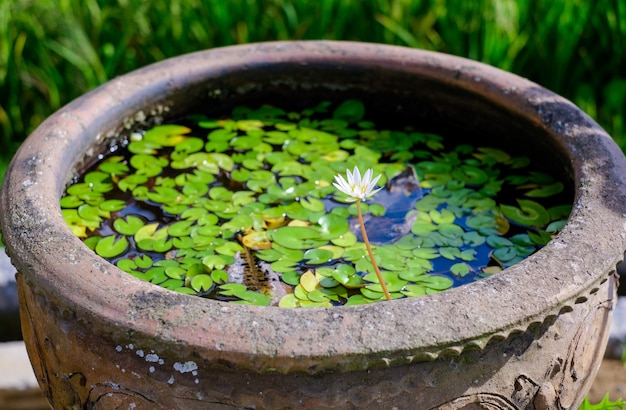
(201, 282)
(529, 213)
(128, 226)
(296, 237)
(257, 192)
(318, 256)
(111, 246)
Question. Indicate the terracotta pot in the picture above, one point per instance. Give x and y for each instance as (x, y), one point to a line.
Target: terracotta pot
(530, 337)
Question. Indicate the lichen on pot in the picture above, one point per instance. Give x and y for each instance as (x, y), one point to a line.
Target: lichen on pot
(529, 337)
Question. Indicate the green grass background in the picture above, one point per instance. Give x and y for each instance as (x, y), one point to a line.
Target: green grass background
(52, 51)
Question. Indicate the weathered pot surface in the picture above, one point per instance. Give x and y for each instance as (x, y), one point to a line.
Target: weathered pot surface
(529, 337)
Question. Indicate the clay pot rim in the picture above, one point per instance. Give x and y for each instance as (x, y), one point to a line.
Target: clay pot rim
(35, 233)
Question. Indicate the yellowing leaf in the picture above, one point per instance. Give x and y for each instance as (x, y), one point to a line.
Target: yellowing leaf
(309, 282)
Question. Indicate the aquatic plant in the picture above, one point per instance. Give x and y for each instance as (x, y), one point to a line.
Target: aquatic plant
(242, 208)
(359, 190)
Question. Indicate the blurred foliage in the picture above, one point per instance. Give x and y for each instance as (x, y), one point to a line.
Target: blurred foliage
(605, 404)
(52, 51)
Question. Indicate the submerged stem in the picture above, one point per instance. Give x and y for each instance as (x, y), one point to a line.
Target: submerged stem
(369, 250)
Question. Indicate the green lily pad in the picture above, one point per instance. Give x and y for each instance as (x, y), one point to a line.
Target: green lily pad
(358, 300)
(175, 272)
(128, 226)
(333, 226)
(540, 237)
(259, 187)
(231, 289)
(126, 265)
(505, 254)
(529, 213)
(317, 256)
(253, 298)
(148, 165)
(414, 290)
(296, 237)
(201, 282)
(426, 253)
(449, 252)
(111, 246)
(349, 111)
(188, 146)
(289, 301)
(114, 168)
(167, 135)
(436, 282)
(143, 262)
(214, 262)
(460, 269)
(546, 190)
(131, 182)
(284, 265)
(71, 201)
(291, 278)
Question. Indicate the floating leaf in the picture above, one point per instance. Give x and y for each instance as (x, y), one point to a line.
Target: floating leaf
(145, 231)
(540, 237)
(112, 205)
(219, 276)
(498, 242)
(148, 165)
(317, 256)
(505, 254)
(284, 265)
(413, 290)
(345, 240)
(175, 272)
(114, 168)
(423, 228)
(289, 301)
(436, 282)
(291, 278)
(71, 201)
(546, 190)
(450, 252)
(262, 189)
(555, 226)
(231, 289)
(143, 262)
(296, 237)
(473, 238)
(460, 269)
(214, 262)
(349, 111)
(111, 246)
(529, 213)
(442, 217)
(166, 135)
(481, 221)
(201, 282)
(560, 212)
(188, 146)
(309, 281)
(185, 291)
(253, 298)
(358, 300)
(492, 270)
(333, 226)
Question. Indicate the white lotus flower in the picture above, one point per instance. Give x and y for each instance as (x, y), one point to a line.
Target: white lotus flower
(357, 188)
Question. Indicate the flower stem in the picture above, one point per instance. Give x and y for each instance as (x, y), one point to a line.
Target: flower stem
(369, 250)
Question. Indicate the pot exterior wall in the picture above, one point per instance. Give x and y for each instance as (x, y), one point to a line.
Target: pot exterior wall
(530, 337)
(84, 364)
